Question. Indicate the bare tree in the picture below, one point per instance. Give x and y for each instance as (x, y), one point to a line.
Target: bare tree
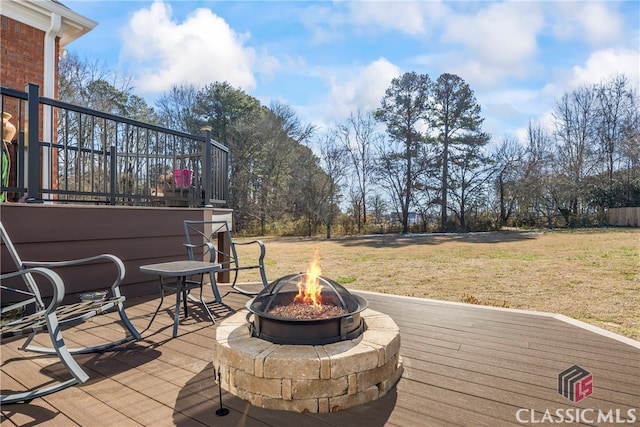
(290, 122)
(379, 208)
(616, 106)
(357, 136)
(89, 83)
(575, 117)
(175, 109)
(391, 173)
(469, 171)
(334, 163)
(538, 174)
(509, 173)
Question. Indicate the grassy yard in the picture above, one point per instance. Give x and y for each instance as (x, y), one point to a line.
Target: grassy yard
(590, 275)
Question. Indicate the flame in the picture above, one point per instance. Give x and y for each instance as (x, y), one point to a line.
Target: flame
(309, 290)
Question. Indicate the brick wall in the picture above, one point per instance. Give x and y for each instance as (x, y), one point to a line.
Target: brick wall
(22, 50)
(22, 62)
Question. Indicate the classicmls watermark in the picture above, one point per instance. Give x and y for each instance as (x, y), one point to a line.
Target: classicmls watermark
(576, 415)
(576, 383)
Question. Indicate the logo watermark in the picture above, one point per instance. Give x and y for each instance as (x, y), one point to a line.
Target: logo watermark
(576, 415)
(576, 383)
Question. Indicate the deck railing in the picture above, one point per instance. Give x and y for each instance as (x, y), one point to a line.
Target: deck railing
(70, 154)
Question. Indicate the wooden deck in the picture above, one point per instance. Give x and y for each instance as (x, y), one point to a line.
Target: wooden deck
(463, 365)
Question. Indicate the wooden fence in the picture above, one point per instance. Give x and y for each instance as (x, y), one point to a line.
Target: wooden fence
(625, 217)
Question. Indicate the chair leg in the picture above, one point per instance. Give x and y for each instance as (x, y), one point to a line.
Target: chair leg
(245, 292)
(214, 287)
(184, 304)
(131, 334)
(204, 304)
(176, 318)
(28, 396)
(157, 309)
(263, 276)
(60, 348)
(135, 335)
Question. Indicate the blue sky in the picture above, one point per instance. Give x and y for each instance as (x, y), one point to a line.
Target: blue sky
(327, 59)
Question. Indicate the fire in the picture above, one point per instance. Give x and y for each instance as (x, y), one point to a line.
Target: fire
(309, 290)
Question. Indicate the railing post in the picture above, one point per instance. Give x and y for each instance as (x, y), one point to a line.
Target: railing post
(225, 178)
(33, 146)
(20, 175)
(113, 184)
(207, 168)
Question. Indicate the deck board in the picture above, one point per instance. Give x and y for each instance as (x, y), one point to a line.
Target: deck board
(463, 365)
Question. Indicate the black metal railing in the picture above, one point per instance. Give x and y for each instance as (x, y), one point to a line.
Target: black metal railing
(70, 154)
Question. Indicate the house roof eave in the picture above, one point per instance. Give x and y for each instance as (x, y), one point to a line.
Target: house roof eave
(38, 13)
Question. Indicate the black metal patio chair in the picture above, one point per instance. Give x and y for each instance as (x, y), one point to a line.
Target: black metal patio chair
(203, 236)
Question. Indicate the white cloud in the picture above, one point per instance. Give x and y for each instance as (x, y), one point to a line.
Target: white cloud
(320, 21)
(202, 49)
(363, 90)
(508, 52)
(604, 64)
(413, 18)
(596, 23)
(600, 66)
(405, 17)
(490, 44)
(502, 35)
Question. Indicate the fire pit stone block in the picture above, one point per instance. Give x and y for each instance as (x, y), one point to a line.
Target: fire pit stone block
(325, 362)
(243, 353)
(357, 359)
(287, 358)
(386, 342)
(309, 378)
(339, 403)
(270, 387)
(377, 320)
(310, 389)
(371, 377)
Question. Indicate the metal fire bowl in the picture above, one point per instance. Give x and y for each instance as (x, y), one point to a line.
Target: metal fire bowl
(288, 330)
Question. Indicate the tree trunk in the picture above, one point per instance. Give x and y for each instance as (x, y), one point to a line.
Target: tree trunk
(445, 175)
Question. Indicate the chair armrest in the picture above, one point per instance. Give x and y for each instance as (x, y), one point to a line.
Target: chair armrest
(115, 287)
(211, 250)
(192, 246)
(52, 277)
(263, 249)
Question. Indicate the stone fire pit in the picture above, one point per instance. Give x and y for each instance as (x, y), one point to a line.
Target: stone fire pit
(309, 378)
